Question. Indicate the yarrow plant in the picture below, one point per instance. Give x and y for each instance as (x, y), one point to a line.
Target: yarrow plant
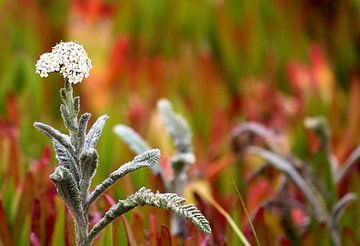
(78, 158)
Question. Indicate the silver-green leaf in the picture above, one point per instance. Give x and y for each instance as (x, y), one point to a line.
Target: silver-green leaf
(176, 126)
(146, 159)
(131, 138)
(66, 159)
(144, 197)
(94, 134)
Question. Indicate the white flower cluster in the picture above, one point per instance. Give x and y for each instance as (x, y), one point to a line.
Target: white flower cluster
(69, 59)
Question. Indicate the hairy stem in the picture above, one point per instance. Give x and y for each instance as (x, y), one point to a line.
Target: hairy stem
(180, 164)
(69, 112)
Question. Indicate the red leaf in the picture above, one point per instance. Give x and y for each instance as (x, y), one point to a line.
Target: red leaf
(138, 228)
(109, 201)
(165, 239)
(153, 236)
(129, 233)
(4, 227)
(213, 170)
(165, 166)
(26, 196)
(35, 223)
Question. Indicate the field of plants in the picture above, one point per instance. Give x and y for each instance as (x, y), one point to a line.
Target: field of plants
(254, 106)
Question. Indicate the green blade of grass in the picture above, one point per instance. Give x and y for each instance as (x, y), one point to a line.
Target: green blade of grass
(245, 210)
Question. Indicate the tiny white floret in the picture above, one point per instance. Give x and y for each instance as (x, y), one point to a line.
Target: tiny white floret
(69, 59)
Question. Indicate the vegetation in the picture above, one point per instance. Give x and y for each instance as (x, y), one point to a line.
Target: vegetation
(269, 89)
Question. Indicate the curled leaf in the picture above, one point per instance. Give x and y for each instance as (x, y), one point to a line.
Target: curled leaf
(67, 189)
(88, 165)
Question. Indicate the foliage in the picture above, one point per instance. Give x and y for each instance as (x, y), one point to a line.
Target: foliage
(319, 194)
(220, 63)
(78, 158)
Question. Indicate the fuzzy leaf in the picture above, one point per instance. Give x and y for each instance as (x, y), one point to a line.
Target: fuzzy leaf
(144, 197)
(55, 134)
(182, 159)
(95, 132)
(66, 159)
(131, 138)
(88, 165)
(77, 104)
(146, 159)
(69, 123)
(63, 96)
(176, 126)
(67, 189)
(81, 131)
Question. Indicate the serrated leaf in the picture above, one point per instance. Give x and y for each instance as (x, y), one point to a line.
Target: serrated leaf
(66, 159)
(146, 159)
(94, 134)
(144, 197)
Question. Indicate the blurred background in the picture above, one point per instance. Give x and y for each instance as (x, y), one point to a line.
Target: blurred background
(221, 63)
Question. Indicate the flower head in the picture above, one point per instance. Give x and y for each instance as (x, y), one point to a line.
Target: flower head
(69, 59)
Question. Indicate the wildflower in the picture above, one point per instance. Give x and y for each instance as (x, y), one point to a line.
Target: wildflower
(69, 59)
